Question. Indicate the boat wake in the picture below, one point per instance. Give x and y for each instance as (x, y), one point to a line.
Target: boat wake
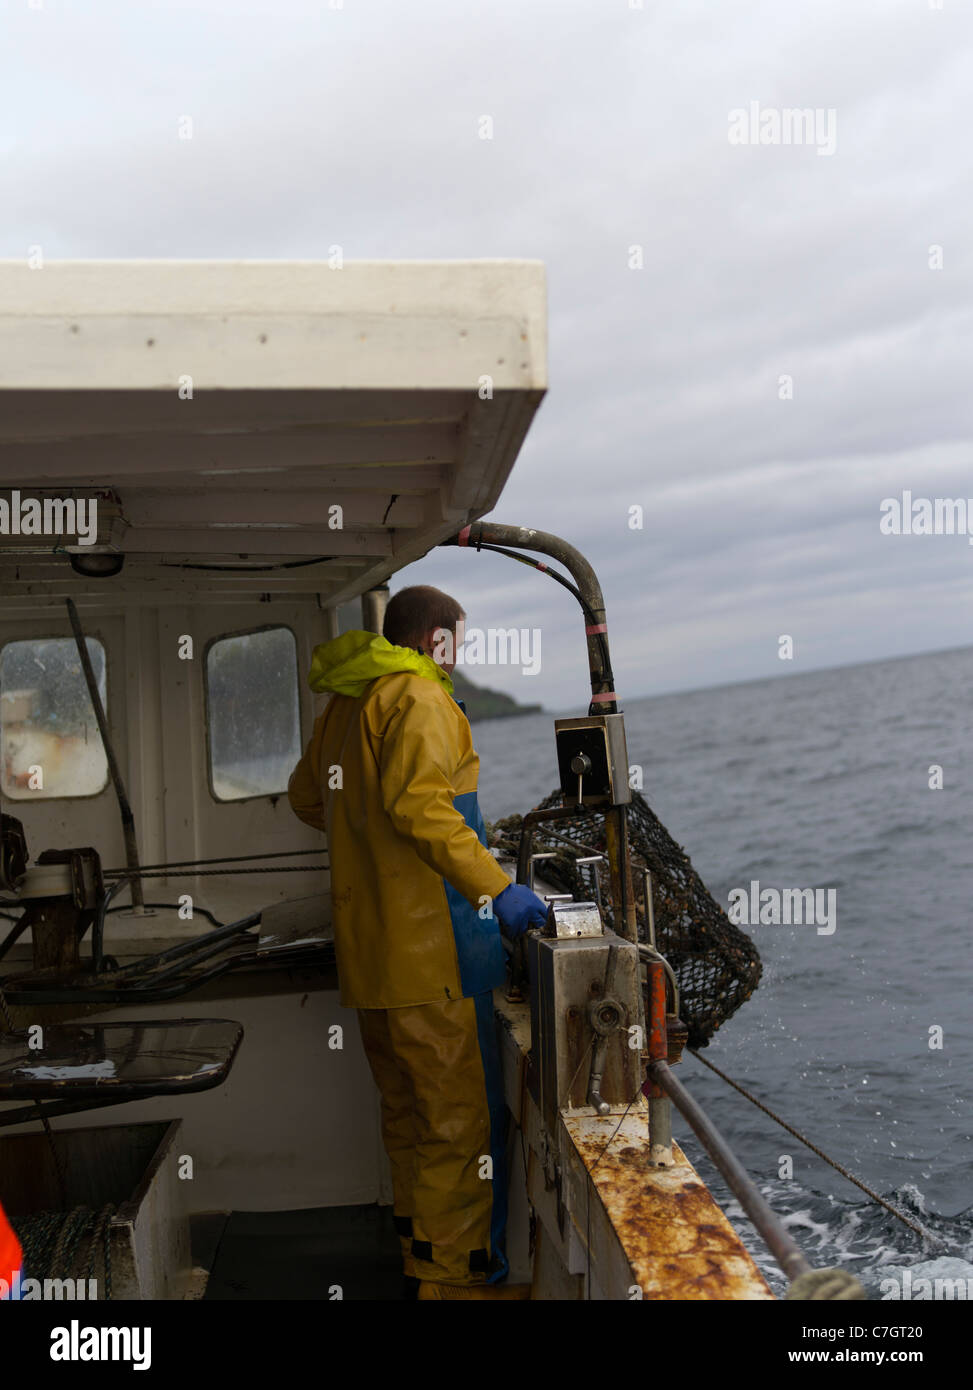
(891, 1261)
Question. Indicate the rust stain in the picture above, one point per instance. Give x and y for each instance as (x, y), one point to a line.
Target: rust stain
(678, 1241)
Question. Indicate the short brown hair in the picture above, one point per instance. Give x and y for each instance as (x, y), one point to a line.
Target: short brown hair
(413, 612)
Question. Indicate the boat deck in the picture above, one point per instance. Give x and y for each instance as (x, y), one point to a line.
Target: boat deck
(299, 1254)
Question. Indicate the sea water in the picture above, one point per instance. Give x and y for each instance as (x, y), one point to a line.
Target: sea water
(858, 780)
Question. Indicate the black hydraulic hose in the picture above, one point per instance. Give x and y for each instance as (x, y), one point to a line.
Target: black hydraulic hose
(175, 907)
(188, 948)
(143, 995)
(125, 809)
(215, 948)
(784, 1250)
(98, 925)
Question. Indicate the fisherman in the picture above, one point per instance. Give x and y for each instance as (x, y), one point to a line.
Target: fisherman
(417, 902)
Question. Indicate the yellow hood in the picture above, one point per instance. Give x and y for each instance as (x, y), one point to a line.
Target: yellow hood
(349, 664)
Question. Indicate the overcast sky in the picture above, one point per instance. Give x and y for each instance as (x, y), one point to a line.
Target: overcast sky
(359, 125)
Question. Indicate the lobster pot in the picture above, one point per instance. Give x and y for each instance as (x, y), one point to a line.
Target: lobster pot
(716, 964)
(114, 1223)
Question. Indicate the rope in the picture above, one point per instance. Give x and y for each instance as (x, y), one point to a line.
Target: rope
(58, 1167)
(913, 1225)
(101, 1230)
(50, 1240)
(52, 1243)
(208, 873)
(74, 1225)
(8, 1023)
(40, 1229)
(220, 859)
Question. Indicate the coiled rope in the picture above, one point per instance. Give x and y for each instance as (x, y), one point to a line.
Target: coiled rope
(52, 1242)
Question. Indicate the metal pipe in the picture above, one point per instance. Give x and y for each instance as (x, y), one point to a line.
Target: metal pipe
(531, 819)
(595, 1097)
(660, 1132)
(649, 953)
(620, 872)
(784, 1250)
(331, 623)
(603, 699)
(125, 809)
(623, 891)
(594, 859)
(546, 854)
(649, 908)
(373, 605)
(660, 1107)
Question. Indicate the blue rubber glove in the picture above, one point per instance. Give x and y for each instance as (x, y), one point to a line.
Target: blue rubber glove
(518, 909)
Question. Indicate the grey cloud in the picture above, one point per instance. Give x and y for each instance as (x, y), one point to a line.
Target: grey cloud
(358, 126)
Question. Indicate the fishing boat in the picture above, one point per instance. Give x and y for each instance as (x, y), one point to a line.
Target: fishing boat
(200, 463)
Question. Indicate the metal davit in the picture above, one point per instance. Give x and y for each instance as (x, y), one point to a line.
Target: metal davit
(615, 988)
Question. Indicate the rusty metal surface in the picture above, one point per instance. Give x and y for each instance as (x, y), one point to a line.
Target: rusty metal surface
(676, 1239)
(659, 1229)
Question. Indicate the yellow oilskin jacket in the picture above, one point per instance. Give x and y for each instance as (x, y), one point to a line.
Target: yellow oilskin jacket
(390, 773)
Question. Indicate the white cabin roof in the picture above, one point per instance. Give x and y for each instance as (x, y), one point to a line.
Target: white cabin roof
(221, 410)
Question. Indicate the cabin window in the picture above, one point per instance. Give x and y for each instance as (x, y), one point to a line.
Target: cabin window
(49, 740)
(253, 713)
